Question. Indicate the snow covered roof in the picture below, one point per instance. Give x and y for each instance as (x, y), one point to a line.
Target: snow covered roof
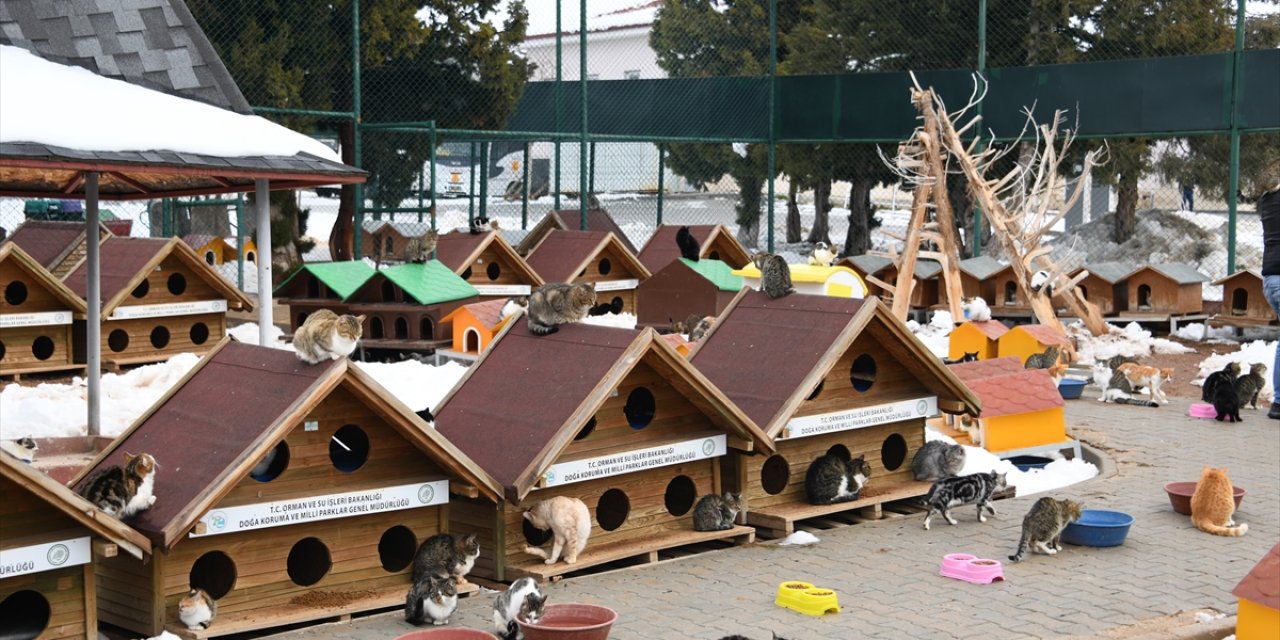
(628, 17)
(982, 267)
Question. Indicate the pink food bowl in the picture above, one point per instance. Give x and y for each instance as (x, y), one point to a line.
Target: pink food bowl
(969, 568)
(1202, 410)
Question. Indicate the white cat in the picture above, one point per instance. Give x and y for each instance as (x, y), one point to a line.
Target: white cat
(975, 309)
(23, 449)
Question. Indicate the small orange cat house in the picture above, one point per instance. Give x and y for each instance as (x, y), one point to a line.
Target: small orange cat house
(1022, 410)
(982, 338)
(1243, 303)
(613, 417)
(1026, 339)
(819, 374)
(487, 263)
(715, 242)
(36, 316)
(474, 327)
(591, 256)
(214, 250)
(52, 540)
(290, 492)
(1258, 615)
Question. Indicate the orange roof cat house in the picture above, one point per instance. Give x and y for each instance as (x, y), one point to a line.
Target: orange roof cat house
(158, 299)
(571, 220)
(820, 373)
(613, 417)
(1258, 616)
(474, 326)
(982, 338)
(1022, 410)
(1026, 339)
(52, 539)
(290, 492)
(36, 315)
(487, 263)
(1243, 303)
(591, 256)
(715, 242)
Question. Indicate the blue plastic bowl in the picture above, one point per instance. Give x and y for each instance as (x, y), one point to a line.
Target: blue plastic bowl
(1071, 388)
(1098, 528)
(1027, 463)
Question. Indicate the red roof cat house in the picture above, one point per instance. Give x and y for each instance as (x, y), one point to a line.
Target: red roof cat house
(57, 245)
(591, 256)
(1022, 410)
(290, 492)
(820, 373)
(52, 539)
(1258, 615)
(487, 263)
(614, 417)
(571, 220)
(715, 242)
(36, 315)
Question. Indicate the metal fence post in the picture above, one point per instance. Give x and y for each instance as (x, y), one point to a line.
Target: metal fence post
(93, 301)
(357, 213)
(582, 89)
(240, 240)
(559, 80)
(1237, 92)
(662, 169)
(773, 114)
(524, 189)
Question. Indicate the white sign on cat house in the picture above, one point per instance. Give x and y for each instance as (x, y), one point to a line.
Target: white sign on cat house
(8, 320)
(860, 417)
(43, 557)
(503, 289)
(635, 460)
(169, 309)
(326, 507)
(617, 285)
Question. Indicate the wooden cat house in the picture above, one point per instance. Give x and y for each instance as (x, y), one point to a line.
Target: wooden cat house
(290, 492)
(982, 338)
(473, 327)
(1243, 302)
(1105, 286)
(158, 299)
(571, 220)
(487, 263)
(1026, 339)
(614, 417)
(838, 280)
(321, 285)
(214, 250)
(1010, 300)
(36, 316)
(878, 271)
(52, 539)
(404, 305)
(715, 242)
(819, 374)
(1258, 615)
(384, 240)
(977, 278)
(1159, 291)
(591, 256)
(684, 288)
(57, 245)
(1022, 410)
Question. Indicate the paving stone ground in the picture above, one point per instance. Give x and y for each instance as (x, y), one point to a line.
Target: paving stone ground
(886, 572)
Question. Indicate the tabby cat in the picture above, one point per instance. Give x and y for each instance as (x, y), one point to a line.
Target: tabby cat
(1213, 504)
(700, 330)
(937, 460)
(418, 249)
(717, 513)
(775, 275)
(1042, 527)
(327, 336)
(1249, 385)
(953, 492)
(570, 525)
(445, 554)
(834, 477)
(521, 600)
(1115, 361)
(432, 598)
(1226, 403)
(557, 303)
(123, 491)
(23, 449)
(1116, 387)
(1225, 376)
(1044, 359)
(197, 609)
(689, 249)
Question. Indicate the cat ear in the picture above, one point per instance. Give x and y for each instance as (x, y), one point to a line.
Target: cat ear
(360, 318)
(528, 517)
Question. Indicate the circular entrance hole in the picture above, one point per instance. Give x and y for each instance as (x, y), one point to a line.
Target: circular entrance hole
(308, 562)
(714, 255)
(177, 284)
(118, 340)
(214, 572)
(272, 464)
(605, 266)
(534, 536)
(893, 452)
(1, 350)
(680, 494)
(863, 372)
(25, 615)
(775, 474)
(612, 509)
(493, 271)
(42, 348)
(199, 333)
(142, 289)
(160, 337)
(840, 451)
(586, 429)
(349, 448)
(466, 274)
(639, 408)
(816, 390)
(15, 293)
(396, 548)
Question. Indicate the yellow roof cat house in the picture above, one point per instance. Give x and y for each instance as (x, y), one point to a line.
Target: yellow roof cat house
(837, 281)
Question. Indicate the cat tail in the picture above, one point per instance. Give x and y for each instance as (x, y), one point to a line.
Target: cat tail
(1136, 402)
(1219, 530)
(414, 612)
(539, 329)
(1024, 544)
(537, 551)
(512, 632)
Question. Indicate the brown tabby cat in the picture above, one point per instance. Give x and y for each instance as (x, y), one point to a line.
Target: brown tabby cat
(1213, 505)
(717, 512)
(569, 522)
(1249, 385)
(1042, 527)
(557, 303)
(419, 249)
(700, 329)
(775, 275)
(327, 336)
(446, 555)
(1044, 359)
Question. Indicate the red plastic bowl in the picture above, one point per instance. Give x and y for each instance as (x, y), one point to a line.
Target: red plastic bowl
(447, 633)
(1180, 495)
(571, 621)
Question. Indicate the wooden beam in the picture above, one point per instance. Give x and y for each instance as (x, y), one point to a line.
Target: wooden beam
(74, 183)
(121, 177)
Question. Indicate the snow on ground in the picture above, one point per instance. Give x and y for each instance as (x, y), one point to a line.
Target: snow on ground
(1256, 352)
(935, 335)
(1130, 340)
(1059, 473)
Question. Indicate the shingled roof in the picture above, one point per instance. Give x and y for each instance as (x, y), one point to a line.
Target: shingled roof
(342, 278)
(570, 219)
(10, 251)
(1179, 272)
(982, 267)
(459, 251)
(986, 368)
(126, 262)
(523, 402)
(1044, 334)
(1262, 584)
(230, 410)
(562, 254)
(992, 329)
(1109, 272)
(661, 248)
(427, 283)
(49, 242)
(1018, 392)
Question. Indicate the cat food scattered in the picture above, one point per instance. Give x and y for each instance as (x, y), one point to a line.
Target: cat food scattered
(324, 599)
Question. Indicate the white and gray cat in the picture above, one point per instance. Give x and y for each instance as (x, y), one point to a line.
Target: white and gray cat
(327, 336)
(1042, 527)
(24, 449)
(123, 491)
(835, 477)
(718, 512)
(431, 599)
(558, 303)
(197, 610)
(521, 600)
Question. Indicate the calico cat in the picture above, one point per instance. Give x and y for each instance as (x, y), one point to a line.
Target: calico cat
(521, 600)
(717, 513)
(123, 491)
(1226, 403)
(445, 554)
(937, 460)
(833, 478)
(700, 329)
(1138, 376)
(689, 249)
(515, 305)
(775, 275)
(1044, 359)
(197, 609)
(23, 449)
(418, 250)
(1249, 385)
(1225, 376)
(327, 336)
(569, 522)
(1213, 504)
(975, 309)
(953, 492)
(558, 303)
(432, 598)
(1042, 527)
(968, 356)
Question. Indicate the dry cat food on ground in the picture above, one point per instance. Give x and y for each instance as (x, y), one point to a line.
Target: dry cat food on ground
(320, 599)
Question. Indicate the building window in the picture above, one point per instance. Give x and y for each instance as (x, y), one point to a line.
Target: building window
(632, 74)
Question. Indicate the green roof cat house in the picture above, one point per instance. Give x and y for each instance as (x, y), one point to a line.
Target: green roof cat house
(289, 492)
(321, 285)
(404, 305)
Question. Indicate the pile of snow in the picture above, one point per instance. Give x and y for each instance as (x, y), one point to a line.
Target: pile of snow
(248, 334)
(1256, 352)
(935, 335)
(416, 384)
(230, 271)
(1057, 474)
(1131, 340)
(620, 320)
(800, 539)
(1197, 332)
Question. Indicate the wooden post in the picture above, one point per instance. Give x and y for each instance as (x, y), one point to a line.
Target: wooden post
(948, 243)
(911, 247)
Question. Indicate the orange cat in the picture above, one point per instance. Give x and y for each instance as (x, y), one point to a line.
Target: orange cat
(1212, 505)
(1057, 371)
(1150, 377)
